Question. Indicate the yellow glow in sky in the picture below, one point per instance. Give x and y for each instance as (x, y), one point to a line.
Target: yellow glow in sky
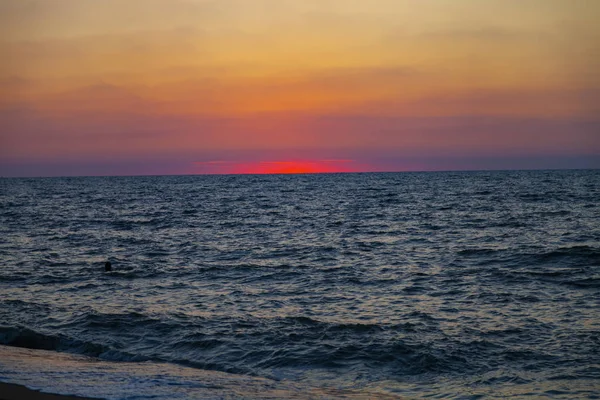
(70, 67)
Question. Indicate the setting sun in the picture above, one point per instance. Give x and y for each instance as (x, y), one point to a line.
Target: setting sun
(279, 167)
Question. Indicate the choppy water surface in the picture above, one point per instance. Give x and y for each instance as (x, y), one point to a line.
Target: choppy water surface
(419, 284)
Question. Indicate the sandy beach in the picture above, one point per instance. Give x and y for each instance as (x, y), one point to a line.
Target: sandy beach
(9, 391)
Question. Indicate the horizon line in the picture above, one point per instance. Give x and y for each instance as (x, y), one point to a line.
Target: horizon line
(304, 173)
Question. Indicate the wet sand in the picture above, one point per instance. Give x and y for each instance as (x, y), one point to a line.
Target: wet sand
(9, 391)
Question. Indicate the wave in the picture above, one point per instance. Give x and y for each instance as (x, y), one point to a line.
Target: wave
(589, 283)
(28, 338)
(562, 260)
(289, 342)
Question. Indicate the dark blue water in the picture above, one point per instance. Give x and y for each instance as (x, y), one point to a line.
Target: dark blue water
(437, 284)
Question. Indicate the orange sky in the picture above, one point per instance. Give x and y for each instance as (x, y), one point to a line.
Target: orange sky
(275, 86)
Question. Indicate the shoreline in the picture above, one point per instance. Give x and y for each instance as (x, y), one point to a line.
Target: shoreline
(12, 391)
(81, 378)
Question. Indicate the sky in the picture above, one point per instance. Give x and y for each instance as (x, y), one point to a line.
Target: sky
(152, 87)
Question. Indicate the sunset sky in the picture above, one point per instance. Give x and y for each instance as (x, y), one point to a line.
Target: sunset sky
(115, 87)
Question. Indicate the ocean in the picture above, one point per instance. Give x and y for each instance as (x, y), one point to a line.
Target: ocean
(465, 285)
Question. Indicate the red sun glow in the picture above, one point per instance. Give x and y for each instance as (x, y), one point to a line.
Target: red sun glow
(279, 167)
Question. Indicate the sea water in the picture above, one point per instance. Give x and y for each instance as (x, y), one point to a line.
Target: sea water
(446, 285)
